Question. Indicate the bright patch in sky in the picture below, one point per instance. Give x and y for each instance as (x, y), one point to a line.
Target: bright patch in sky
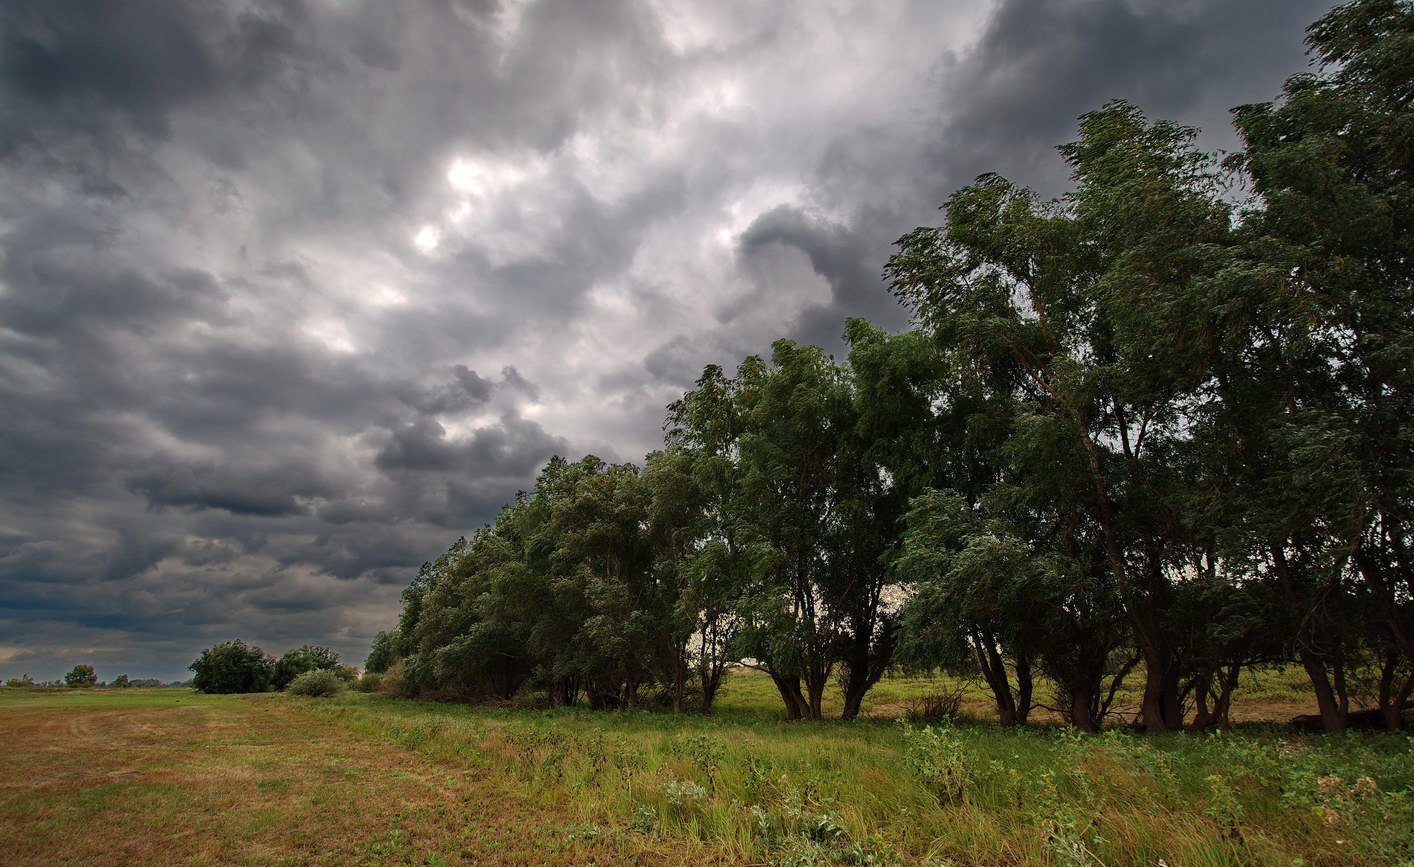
(427, 238)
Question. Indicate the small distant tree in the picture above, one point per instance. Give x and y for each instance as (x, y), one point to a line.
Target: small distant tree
(121, 682)
(80, 677)
(295, 662)
(232, 667)
(23, 680)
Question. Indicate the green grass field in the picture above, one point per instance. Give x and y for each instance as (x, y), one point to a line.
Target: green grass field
(140, 776)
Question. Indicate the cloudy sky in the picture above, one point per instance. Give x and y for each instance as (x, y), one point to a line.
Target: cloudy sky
(292, 294)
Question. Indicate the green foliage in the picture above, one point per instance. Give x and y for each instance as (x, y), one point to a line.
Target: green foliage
(317, 682)
(935, 756)
(304, 659)
(232, 667)
(80, 677)
(22, 680)
(383, 653)
(121, 682)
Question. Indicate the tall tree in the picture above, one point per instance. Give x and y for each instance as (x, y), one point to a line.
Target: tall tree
(1319, 344)
(1058, 297)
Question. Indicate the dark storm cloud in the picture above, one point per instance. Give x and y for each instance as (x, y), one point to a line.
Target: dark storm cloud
(292, 294)
(269, 491)
(1041, 64)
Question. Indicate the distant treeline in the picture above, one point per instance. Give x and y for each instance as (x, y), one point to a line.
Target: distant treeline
(83, 677)
(1160, 428)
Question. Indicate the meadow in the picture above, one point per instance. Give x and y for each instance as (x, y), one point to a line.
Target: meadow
(129, 776)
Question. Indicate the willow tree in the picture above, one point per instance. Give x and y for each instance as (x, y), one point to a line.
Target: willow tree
(1056, 299)
(1319, 349)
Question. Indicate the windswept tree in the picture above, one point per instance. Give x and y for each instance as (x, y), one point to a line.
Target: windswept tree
(309, 657)
(698, 570)
(232, 667)
(1317, 404)
(1054, 300)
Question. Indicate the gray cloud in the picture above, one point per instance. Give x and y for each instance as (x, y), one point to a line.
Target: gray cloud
(295, 292)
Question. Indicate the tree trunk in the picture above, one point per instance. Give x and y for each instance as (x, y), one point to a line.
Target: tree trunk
(994, 673)
(1082, 709)
(1333, 719)
(789, 688)
(711, 675)
(1334, 707)
(1393, 695)
(1023, 688)
(1160, 703)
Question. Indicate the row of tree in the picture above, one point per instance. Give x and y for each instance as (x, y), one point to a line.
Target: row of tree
(239, 667)
(1159, 428)
(84, 677)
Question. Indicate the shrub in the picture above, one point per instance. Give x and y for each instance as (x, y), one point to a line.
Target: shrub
(395, 683)
(232, 667)
(320, 683)
(935, 756)
(24, 680)
(369, 682)
(121, 682)
(935, 707)
(80, 677)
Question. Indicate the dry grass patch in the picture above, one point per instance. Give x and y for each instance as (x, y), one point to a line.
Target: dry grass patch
(251, 779)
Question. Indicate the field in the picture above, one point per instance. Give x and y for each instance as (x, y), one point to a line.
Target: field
(149, 775)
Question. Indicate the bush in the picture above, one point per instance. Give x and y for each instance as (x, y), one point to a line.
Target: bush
(394, 682)
(232, 667)
(935, 707)
(26, 680)
(320, 683)
(369, 682)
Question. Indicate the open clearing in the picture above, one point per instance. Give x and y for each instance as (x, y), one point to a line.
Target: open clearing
(167, 775)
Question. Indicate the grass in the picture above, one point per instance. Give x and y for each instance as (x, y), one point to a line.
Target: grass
(129, 776)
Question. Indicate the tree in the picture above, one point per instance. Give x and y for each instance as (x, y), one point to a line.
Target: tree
(232, 667)
(383, 652)
(1318, 395)
(295, 662)
(700, 569)
(121, 682)
(1056, 302)
(80, 677)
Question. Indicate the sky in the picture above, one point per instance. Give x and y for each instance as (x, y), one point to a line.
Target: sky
(293, 294)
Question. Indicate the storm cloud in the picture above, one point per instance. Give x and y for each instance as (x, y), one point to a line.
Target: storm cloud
(292, 294)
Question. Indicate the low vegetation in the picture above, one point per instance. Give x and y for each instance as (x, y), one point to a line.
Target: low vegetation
(319, 682)
(251, 778)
